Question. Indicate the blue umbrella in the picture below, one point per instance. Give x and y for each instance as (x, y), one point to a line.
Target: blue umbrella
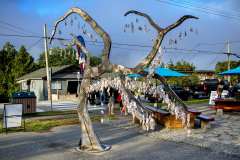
(134, 75)
(166, 72)
(235, 71)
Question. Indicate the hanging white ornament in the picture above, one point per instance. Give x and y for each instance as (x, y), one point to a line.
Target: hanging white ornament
(132, 27)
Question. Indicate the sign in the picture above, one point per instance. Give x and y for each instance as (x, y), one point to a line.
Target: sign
(213, 96)
(12, 115)
(225, 94)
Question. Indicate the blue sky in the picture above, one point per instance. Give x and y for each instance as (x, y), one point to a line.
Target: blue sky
(33, 14)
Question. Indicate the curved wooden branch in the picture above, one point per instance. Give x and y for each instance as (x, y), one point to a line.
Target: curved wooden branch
(87, 18)
(178, 23)
(146, 16)
(158, 41)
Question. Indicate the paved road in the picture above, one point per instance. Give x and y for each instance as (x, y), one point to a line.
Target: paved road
(126, 144)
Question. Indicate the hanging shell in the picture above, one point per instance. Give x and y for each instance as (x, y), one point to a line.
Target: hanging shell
(196, 31)
(145, 28)
(132, 27)
(191, 29)
(180, 35)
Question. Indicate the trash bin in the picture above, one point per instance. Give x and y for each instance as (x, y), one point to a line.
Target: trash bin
(27, 99)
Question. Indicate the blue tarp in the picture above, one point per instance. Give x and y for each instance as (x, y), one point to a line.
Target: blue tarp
(235, 71)
(166, 72)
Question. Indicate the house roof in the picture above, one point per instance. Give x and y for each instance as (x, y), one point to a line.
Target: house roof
(41, 73)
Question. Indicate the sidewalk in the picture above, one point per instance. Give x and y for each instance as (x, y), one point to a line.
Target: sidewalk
(43, 106)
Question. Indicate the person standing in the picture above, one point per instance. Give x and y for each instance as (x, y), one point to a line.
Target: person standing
(220, 88)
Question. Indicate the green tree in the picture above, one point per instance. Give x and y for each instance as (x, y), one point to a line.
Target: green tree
(58, 57)
(223, 66)
(94, 61)
(24, 62)
(182, 66)
(7, 72)
(13, 64)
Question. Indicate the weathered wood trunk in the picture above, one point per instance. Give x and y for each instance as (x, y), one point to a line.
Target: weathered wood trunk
(89, 140)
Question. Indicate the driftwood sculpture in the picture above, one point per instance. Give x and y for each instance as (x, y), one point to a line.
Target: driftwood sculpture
(89, 140)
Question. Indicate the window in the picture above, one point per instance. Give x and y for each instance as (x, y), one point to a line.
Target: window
(56, 85)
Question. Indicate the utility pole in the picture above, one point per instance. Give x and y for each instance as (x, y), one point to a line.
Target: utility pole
(228, 59)
(47, 69)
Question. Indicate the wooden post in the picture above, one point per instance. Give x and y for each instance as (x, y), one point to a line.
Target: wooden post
(47, 69)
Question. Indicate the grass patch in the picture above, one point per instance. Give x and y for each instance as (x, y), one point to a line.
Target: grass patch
(196, 101)
(46, 125)
(189, 102)
(50, 113)
(43, 125)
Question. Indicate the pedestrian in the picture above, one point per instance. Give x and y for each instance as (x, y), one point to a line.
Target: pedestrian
(220, 88)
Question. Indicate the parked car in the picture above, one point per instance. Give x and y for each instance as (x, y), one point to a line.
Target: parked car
(181, 92)
(210, 85)
(235, 90)
(4, 99)
(198, 92)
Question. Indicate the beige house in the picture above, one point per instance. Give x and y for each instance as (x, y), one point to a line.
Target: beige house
(64, 83)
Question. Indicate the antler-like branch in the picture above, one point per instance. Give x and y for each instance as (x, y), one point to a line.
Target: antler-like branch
(146, 16)
(178, 23)
(157, 42)
(87, 18)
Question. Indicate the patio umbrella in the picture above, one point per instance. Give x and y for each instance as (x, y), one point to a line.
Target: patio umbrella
(134, 75)
(235, 71)
(166, 72)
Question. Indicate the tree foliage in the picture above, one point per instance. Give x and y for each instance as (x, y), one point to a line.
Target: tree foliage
(183, 66)
(223, 66)
(94, 61)
(13, 64)
(58, 57)
(64, 56)
(187, 81)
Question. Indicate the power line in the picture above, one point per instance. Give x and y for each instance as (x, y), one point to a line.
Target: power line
(205, 7)
(11, 29)
(204, 10)
(214, 44)
(118, 45)
(16, 27)
(34, 44)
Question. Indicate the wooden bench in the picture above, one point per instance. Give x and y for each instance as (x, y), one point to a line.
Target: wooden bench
(204, 120)
(158, 110)
(194, 111)
(193, 114)
(165, 118)
(227, 104)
